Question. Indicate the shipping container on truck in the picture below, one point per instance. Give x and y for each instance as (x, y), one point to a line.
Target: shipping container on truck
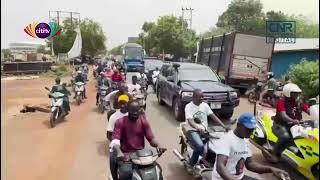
(242, 59)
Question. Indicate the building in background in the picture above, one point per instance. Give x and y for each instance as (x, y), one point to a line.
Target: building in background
(24, 47)
(285, 55)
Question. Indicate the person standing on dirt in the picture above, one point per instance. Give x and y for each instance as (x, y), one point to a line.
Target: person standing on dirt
(62, 89)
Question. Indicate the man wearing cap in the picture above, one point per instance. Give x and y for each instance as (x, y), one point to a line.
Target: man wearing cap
(123, 111)
(233, 153)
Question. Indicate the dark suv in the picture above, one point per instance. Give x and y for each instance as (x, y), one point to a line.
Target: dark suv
(177, 81)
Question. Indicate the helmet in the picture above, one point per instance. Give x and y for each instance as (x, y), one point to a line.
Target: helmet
(124, 98)
(270, 75)
(289, 88)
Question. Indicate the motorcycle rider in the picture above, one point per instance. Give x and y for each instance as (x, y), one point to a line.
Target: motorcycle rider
(197, 109)
(101, 81)
(155, 74)
(129, 136)
(62, 89)
(289, 112)
(134, 86)
(123, 111)
(80, 78)
(116, 76)
(268, 88)
(142, 78)
(233, 153)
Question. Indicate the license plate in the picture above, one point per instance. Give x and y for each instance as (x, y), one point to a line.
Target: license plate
(215, 105)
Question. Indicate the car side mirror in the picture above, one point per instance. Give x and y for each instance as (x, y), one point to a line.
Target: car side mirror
(170, 78)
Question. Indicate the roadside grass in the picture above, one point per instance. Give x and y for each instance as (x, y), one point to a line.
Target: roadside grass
(61, 70)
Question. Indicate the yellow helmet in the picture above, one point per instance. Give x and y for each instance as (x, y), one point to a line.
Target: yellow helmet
(123, 98)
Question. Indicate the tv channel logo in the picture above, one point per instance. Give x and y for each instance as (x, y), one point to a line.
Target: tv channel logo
(281, 32)
(43, 30)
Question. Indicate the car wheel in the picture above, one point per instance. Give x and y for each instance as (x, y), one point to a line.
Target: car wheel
(178, 114)
(160, 101)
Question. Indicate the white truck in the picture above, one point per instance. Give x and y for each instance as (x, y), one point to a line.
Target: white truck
(242, 59)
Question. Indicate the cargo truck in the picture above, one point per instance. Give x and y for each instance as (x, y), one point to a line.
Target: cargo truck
(240, 59)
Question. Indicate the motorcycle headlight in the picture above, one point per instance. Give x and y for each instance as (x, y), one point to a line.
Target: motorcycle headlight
(233, 95)
(187, 94)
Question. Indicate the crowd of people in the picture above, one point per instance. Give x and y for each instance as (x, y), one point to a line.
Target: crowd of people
(128, 125)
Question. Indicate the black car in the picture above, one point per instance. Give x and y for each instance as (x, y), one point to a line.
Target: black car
(177, 81)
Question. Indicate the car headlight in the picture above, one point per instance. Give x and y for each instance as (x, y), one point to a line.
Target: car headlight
(187, 94)
(233, 95)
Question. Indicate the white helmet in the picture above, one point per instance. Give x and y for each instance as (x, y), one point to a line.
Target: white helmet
(270, 73)
(290, 87)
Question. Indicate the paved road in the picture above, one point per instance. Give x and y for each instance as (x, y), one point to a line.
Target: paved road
(75, 149)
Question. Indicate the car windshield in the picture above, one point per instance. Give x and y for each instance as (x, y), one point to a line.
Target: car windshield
(200, 74)
(152, 64)
(133, 53)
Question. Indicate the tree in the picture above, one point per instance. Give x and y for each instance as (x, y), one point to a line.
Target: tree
(246, 16)
(306, 76)
(42, 49)
(169, 34)
(116, 50)
(242, 15)
(93, 38)
(6, 53)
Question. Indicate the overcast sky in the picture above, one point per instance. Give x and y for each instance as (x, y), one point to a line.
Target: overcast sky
(123, 18)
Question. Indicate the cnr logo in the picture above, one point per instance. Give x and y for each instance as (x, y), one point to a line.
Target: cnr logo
(281, 26)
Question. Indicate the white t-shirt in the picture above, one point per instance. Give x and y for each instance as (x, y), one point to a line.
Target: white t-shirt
(132, 87)
(236, 149)
(113, 118)
(139, 76)
(201, 112)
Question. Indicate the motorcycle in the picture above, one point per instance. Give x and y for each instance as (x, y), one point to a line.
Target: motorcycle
(270, 98)
(207, 160)
(79, 91)
(145, 166)
(102, 103)
(302, 153)
(57, 111)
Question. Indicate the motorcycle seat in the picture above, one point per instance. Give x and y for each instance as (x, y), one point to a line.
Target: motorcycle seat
(144, 153)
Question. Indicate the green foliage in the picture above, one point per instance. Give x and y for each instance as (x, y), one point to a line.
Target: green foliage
(247, 16)
(6, 53)
(116, 50)
(169, 34)
(93, 38)
(42, 49)
(60, 71)
(306, 76)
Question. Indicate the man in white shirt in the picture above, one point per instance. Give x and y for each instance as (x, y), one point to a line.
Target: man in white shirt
(197, 109)
(233, 153)
(155, 74)
(123, 111)
(134, 87)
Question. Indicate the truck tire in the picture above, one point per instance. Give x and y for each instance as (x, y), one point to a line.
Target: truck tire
(178, 113)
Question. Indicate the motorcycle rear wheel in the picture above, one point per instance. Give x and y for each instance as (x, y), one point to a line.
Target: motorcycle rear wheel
(53, 119)
(78, 101)
(101, 108)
